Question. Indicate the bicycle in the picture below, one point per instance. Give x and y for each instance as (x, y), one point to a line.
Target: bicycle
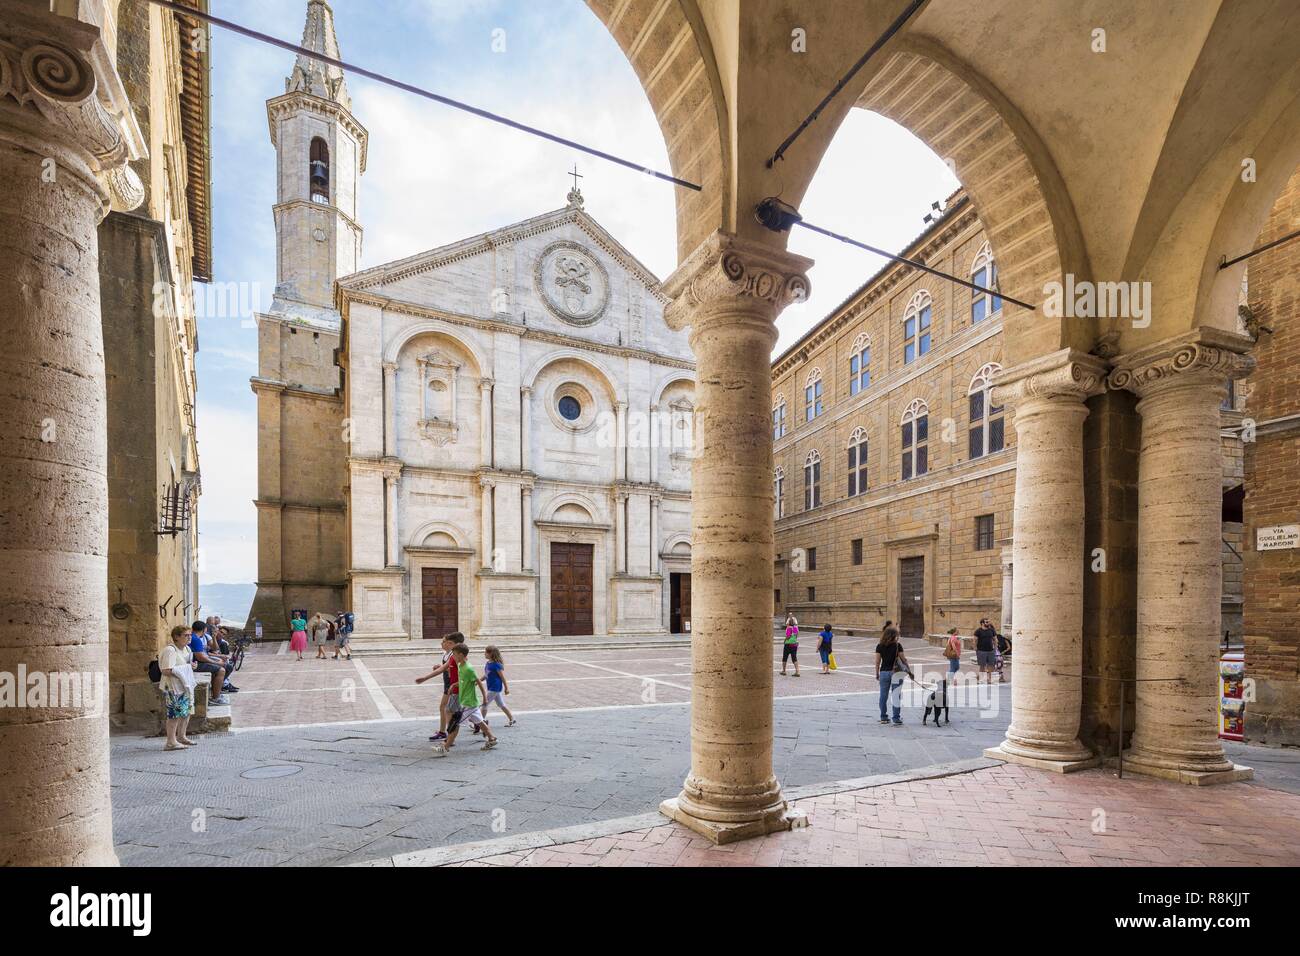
(242, 644)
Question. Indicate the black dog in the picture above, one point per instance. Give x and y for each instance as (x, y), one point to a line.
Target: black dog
(938, 700)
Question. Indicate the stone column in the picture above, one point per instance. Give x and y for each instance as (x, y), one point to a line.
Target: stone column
(390, 408)
(1008, 600)
(654, 533)
(654, 444)
(730, 292)
(485, 422)
(62, 164)
(620, 441)
(526, 558)
(525, 427)
(1180, 383)
(1048, 396)
(393, 551)
(485, 546)
(620, 532)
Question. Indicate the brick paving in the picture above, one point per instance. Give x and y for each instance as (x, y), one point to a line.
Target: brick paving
(277, 690)
(326, 767)
(1001, 816)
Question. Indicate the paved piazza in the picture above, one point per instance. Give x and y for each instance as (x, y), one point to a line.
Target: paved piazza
(330, 763)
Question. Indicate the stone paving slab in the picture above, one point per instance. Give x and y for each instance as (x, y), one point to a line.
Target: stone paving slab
(1004, 815)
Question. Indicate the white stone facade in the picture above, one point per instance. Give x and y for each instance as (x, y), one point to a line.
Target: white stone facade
(503, 396)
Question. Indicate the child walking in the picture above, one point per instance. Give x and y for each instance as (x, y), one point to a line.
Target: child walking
(467, 689)
(497, 685)
(448, 671)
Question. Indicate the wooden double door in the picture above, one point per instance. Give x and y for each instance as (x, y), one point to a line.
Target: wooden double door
(571, 588)
(439, 603)
(911, 597)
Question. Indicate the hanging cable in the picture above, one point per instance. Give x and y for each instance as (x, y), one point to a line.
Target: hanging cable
(418, 91)
(862, 61)
(1263, 248)
(779, 216)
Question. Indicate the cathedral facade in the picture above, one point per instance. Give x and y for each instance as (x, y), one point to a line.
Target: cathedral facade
(493, 436)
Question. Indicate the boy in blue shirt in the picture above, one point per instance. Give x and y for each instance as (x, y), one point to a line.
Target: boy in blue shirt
(204, 663)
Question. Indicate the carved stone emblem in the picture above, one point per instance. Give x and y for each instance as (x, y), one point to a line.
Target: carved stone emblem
(572, 282)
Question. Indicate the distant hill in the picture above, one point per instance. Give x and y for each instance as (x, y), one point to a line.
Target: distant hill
(231, 601)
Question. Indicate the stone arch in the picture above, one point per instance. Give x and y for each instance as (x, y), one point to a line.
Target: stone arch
(443, 330)
(679, 540)
(670, 51)
(421, 534)
(857, 437)
(984, 378)
(675, 377)
(571, 500)
(1010, 176)
(608, 380)
(914, 410)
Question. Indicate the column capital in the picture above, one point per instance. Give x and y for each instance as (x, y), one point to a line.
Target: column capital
(728, 270)
(62, 94)
(525, 390)
(390, 368)
(1204, 356)
(485, 383)
(487, 481)
(1064, 376)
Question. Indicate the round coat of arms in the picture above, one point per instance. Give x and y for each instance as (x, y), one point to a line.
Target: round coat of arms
(572, 283)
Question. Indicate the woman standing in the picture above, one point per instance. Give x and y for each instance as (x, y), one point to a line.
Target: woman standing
(298, 639)
(890, 658)
(790, 651)
(177, 664)
(320, 635)
(952, 651)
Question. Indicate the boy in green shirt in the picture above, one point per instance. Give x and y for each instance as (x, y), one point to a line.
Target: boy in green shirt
(470, 692)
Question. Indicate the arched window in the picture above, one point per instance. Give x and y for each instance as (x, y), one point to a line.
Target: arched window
(860, 364)
(858, 461)
(319, 169)
(986, 423)
(984, 273)
(778, 419)
(916, 326)
(812, 395)
(916, 437)
(778, 491)
(812, 481)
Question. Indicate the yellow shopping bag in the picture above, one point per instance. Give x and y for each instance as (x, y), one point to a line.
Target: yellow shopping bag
(831, 659)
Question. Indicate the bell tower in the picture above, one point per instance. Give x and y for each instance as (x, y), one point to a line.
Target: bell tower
(301, 455)
(320, 156)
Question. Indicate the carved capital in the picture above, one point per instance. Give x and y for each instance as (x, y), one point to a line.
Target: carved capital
(729, 272)
(59, 87)
(1203, 357)
(1066, 375)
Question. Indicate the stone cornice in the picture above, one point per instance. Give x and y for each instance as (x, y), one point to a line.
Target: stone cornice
(726, 268)
(347, 297)
(1205, 354)
(506, 236)
(1066, 375)
(290, 102)
(60, 89)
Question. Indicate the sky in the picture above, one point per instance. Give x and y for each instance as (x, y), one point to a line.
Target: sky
(435, 175)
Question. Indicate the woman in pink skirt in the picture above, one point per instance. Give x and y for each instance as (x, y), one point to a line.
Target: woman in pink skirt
(298, 640)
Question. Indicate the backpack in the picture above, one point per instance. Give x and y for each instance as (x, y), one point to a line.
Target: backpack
(155, 672)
